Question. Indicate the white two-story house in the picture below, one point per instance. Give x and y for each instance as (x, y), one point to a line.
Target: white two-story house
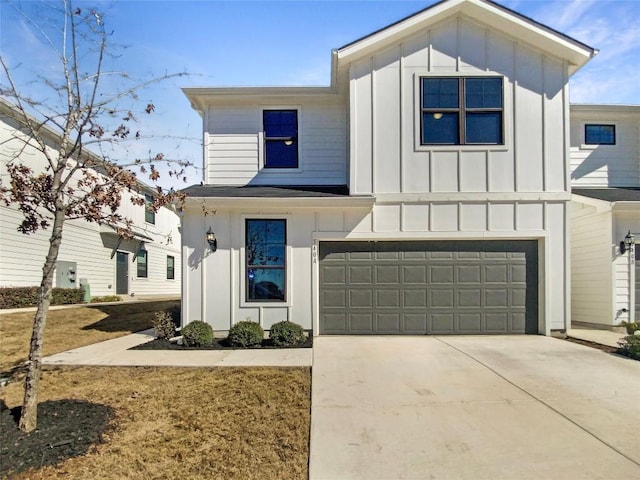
(605, 174)
(90, 254)
(425, 191)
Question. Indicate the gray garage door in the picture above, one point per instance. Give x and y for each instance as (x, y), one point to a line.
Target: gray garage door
(434, 287)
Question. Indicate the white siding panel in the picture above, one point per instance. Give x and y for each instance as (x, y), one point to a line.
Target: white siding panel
(386, 132)
(530, 216)
(473, 171)
(444, 171)
(473, 46)
(444, 44)
(528, 123)
(415, 218)
(501, 172)
(473, 217)
(361, 141)
(554, 123)
(330, 221)
(501, 216)
(386, 218)
(444, 217)
(556, 276)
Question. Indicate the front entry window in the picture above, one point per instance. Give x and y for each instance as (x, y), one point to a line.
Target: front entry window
(265, 247)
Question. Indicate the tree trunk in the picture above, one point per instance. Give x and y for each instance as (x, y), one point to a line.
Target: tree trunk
(29, 414)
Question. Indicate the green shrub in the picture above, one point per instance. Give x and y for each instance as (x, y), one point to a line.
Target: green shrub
(21, 297)
(106, 298)
(286, 334)
(164, 326)
(630, 345)
(245, 334)
(197, 334)
(631, 327)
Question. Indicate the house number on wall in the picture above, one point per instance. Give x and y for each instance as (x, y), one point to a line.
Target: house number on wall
(314, 252)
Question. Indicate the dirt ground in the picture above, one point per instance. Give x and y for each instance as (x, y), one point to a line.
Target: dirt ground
(140, 423)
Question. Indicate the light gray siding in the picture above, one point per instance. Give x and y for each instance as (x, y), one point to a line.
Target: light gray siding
(233, 145)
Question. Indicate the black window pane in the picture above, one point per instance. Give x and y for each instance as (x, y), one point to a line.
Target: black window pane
(600, 134)
(280, 123)
(265, 231)
(440, 93)
(281, 153)
(484, 127)
(141, 261)
(483, 93)
(440, 128)
(265, 284)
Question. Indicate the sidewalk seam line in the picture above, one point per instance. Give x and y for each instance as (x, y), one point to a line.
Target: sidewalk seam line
(584, 429)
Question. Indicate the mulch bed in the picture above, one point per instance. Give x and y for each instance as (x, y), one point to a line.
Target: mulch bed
(586, 343)
(218, 344)
(66, 428)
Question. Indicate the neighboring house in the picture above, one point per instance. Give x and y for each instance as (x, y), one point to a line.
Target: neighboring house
(605, 174)
(148, 264)
(426, 190)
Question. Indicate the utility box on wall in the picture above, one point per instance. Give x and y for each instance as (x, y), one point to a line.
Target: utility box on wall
(66, 274)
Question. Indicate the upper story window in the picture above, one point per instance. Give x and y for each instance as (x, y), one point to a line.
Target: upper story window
(596, 134)
(280, 138)
(149, 214)
(462, 111)
(266, 242)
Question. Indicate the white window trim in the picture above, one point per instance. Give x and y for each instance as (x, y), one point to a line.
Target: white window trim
(243, 261)
(279, 171)
(594, 146)
(507, 114)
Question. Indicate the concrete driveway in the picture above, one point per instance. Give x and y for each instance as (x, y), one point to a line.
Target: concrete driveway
(472, 407)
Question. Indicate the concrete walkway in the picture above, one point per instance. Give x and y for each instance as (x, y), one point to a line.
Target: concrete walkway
(602, 337)
(465, 407)
(115, 353)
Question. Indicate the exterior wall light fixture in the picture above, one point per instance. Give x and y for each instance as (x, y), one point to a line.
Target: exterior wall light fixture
(211, 240)
(627, 243)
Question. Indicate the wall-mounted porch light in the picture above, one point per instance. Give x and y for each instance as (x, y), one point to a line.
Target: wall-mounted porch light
(627, 243)
(211, 240)
(142, 247)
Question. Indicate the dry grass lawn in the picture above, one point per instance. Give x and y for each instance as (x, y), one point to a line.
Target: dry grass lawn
(74, 327)
(183, 423)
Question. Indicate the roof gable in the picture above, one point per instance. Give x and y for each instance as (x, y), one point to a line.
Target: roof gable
(487, 12)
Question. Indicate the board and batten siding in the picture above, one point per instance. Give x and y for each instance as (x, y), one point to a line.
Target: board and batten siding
(213, 286)
(605, 165)
(233, 142)
(384, 122)
(592, 290)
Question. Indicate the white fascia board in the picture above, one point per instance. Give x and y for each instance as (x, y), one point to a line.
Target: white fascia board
(601, 206)
(298, 202)
(492, 15)
(473, 197)
(626, 206)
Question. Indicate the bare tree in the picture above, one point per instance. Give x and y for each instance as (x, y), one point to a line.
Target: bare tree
(86, 106)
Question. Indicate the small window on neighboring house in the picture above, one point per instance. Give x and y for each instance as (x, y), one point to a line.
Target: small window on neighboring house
(280, 138)
(171, 274)
(149, 214)
(142, 262)
(266, 242)
(461, 111)
(599, 134)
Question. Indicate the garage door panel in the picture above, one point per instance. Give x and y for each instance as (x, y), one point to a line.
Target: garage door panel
(361, 299)
(387, 274)
(361, 322)
(435, 287)
(441, 274)
(470, 322)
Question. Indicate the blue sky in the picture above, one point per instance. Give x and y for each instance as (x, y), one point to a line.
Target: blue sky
(267, 42)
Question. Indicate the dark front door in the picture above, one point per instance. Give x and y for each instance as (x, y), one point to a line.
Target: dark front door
(433, 287)
(122, 274)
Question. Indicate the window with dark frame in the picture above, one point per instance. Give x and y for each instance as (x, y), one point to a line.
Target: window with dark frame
(171, 273)
(265, 260)
(461, 111)
(598, 134)
(149, 214)
(142, 264)
(280, 138)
